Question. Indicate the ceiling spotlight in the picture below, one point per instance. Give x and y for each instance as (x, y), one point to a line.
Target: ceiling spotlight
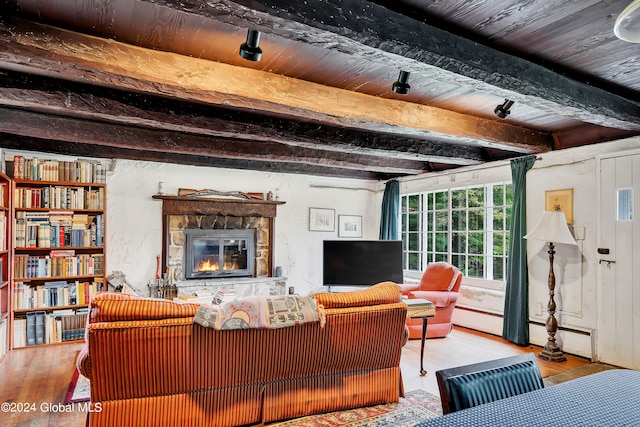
(402, 86)
(250, 50)
(502, 110)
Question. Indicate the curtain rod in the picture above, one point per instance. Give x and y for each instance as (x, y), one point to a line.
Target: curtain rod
(481, 166)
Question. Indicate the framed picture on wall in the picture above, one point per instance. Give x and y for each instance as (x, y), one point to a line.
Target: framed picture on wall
(349, 226)
(322, 219)
(560, 200)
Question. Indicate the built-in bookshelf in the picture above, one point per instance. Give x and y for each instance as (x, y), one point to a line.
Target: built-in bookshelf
(5, 263)
(58, 257)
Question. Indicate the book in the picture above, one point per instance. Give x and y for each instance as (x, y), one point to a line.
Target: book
(30, 328)
(3, 165)
(73, 326)
(19, 332)
(3, 337)
(40, 332)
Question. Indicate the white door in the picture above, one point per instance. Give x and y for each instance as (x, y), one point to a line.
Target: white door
(618, 338)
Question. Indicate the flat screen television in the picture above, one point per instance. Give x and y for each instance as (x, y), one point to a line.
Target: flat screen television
(361, 262)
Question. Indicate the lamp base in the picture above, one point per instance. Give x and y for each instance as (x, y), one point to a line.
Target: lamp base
(552, 353)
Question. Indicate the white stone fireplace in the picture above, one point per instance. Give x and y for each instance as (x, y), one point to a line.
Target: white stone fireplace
(228, 220)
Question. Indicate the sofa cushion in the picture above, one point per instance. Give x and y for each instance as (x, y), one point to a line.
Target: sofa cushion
(111, 307)
(381, 293)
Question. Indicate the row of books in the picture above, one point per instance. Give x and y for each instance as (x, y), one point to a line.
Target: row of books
(55, 294)
(3, 230)
(40, 327)
(33, 168)
(55, 197)
(3, 337)
(58, 229)
(59, 263)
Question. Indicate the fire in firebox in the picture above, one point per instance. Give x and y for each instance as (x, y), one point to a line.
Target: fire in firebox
(213, 265)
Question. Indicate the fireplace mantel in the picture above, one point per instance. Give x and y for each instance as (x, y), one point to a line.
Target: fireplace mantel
(235, 212)
(185, 205)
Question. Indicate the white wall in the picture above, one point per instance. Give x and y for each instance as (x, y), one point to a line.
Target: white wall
(134, 218)
(134, 222)
(574, 267)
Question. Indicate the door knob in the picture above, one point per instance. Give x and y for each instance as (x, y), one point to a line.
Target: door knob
(608, 261)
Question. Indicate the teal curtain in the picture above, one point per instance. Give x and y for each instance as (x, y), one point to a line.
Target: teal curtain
(515, 326)
(390, 211)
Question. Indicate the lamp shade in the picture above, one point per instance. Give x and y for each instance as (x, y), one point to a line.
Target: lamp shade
(552, 228)
(627, 26)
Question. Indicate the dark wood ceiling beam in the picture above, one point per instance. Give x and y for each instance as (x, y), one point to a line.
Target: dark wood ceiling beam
(48, 51)
(42, 126)
(589, 134)
(378, 34)
(51, 96)
(18, 142)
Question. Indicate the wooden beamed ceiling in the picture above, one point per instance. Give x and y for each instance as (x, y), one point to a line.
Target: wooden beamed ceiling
(125, 79)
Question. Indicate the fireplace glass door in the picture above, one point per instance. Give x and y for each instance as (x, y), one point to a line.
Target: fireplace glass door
(219, 253)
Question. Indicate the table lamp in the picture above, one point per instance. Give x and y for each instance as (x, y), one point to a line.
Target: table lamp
(552, 228)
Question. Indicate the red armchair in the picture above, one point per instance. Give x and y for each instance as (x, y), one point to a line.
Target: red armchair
(439, 284)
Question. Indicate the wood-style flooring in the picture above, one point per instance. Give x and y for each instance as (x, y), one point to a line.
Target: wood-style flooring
(40, 376)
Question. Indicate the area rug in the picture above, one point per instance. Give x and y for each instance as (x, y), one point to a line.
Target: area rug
(78, 390)
(417, 406)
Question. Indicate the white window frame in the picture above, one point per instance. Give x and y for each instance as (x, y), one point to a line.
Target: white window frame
(487, 280)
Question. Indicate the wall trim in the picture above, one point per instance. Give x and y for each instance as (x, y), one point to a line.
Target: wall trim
(572, 341)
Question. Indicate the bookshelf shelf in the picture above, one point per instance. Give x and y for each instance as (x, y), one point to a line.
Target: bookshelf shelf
(58, 307)
(53, 278)
(58, 238)
(51, 343)
(80, 248)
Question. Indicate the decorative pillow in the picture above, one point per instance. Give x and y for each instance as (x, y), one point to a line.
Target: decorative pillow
(474, 389)
(382, 293)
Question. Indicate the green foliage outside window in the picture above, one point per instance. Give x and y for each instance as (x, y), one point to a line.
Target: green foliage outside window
(468, 227)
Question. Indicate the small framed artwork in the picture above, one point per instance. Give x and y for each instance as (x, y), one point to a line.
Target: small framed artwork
(322, 219)
(349, 226)
(560, 200)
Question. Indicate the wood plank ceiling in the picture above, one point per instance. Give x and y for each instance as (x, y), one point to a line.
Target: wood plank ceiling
(161, 80)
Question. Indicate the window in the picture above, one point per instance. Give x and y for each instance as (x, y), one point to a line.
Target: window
(468, 227)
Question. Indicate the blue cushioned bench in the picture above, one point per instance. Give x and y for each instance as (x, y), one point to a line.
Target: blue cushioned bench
(608, 398)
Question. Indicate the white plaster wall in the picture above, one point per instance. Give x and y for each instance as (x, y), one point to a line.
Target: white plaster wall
(575, 268)
(134, 223)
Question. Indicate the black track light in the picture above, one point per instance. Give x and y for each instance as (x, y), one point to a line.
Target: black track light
(502, 110)
(250, 49)
(402, 86)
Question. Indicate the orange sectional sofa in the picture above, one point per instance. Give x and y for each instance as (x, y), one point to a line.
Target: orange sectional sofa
(150, 364)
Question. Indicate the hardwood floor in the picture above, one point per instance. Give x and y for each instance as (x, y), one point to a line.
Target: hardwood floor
(38, 378)
(41, 375)
(462, 347)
